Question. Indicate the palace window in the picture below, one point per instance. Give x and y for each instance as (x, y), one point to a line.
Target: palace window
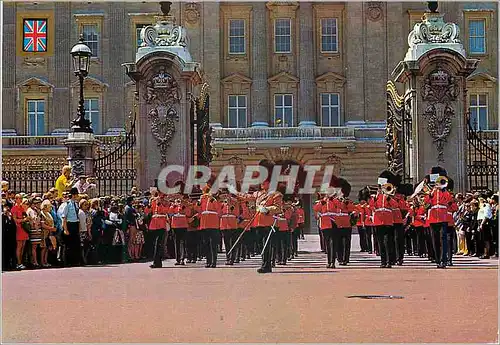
(236, 36)
(282, 35)
(478, 106)
(91, 37)
(329, 36)
(330, 109)
(92, 113)
(237, 111)
(283, 110)
(36, 116)
(138, 28)
(477, 36)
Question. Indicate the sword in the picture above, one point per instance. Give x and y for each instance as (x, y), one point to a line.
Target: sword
(236, 242)
(269, 236)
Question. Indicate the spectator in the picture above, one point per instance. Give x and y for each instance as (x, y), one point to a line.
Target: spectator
(19, 212)
(63, 183)
(8, 238)
(484, 217)
(36, 233)
(71, 228)
(49, 231)
(85, 228)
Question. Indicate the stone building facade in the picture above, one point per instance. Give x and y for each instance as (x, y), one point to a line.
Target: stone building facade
(302, 81)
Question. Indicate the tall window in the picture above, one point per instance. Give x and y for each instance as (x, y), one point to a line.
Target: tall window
(92, 113)
(91, 37)
(330, 109)
(36, 117)
(477, 36)
(282, 36)
(138, 28)
(237, 111)
(236, 36)
(479, 111)
(329, 38)
(283, 110)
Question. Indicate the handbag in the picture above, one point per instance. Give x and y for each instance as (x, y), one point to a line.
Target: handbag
(26, 225)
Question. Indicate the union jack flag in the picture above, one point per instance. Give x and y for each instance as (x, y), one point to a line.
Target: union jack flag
(35, 35)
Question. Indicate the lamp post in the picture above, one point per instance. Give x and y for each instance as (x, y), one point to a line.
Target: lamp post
(81, 54)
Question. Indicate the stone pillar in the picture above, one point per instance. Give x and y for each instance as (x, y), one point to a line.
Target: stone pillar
(355, 90)
(434, 73)
(81, 153)
(260, 87)
(307, 87)
(9, 62)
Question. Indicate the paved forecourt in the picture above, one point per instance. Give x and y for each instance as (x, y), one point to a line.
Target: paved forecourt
(300, 302)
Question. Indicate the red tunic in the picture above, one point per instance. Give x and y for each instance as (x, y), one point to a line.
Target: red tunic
(397, 215)
(159, 218)
(179, 214)
(417, 216)
(383, 206)
(325, 210)
(343, 211)
(247, 214)
(283, 220)
(368, 215)
(300, 215)
(360, 209)
(453, 207)
(273, 203)
(208, 211)
(229, 215)
(439, 201)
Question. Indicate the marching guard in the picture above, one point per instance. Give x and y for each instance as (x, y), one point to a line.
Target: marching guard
(208, 209)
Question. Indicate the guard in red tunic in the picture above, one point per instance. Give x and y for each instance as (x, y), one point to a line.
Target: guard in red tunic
(364, 221)
(325, 209)
(399, 214)
(179, 212)
(382, 204)
(345, 218)
(229, 224)
(208, 209)
(417, 213)
(439, 200)
(283, 238)
(247, 214)
(451, 233)
(158, 226)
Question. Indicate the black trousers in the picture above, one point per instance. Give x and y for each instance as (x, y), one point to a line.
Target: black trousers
(158, 238)
(385, 236)
(399, 241)
(369, 245)
(192, 245)
(295, 241)
(212, 240)
(321, 240)
(230, 236)
(440, 242)
(452, 241)
(420, 232)
(375, 241)
(283, 245)
(494, 239)
(239, 247)
(343, 244)
(9, 245)
(429, 246)
(180, 243)
(267, 253)
(331, 240)
(362, 238)
(72, 243)
(411, 241)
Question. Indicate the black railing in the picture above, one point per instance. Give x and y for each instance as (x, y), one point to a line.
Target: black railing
(482, 160)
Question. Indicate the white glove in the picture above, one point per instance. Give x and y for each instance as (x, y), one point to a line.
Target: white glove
(262, 209)
(232, 190)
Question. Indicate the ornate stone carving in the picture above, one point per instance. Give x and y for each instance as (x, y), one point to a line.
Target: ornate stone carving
(374, 11)
(164, 33)
(162, 93)
(78, 167)
(433, 29)
(235, 160)
(192, 13)
(336, 162)
(34, 61)
(439, 89)
(251, 150)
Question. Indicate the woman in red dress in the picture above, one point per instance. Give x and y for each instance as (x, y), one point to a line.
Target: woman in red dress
(21, 235)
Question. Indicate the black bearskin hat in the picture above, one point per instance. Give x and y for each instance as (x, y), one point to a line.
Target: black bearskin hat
(391, 178)
(345, 187)
(439, 170)
(406, 189)
(364, 194)
(451, 184)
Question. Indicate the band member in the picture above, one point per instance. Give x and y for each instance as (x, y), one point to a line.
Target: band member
(179, 211)
(417, 215)
(364, 223)
(439, 199)
(450, 232)
(344, 218)
(268, 204)
(283, 234)
(299, 230)
(194, 249)
(228, 224)
(208, 209)
(398, 215)
(382, 204)
(158, 226)
(247, 214)
(325, 208)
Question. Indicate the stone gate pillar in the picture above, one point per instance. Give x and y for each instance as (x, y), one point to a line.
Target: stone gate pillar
(165, 77)
(81, 147)
(434, 74)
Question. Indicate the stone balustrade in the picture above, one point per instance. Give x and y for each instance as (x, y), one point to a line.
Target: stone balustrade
(48, 140)
(273, 133)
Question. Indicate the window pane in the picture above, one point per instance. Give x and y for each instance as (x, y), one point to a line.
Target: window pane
(242, 101)
(31, 124)
(95, 105)
(232, 101)
(90, 36)
(288, 117)
(335, 116)
(278, 100)
(232, 118)
(325, 99)
(334, 99)
(40, 125)
(31, 106)
(40, 106)
(482, 99)
(483, 121)
(325, 116)
(242, 118)
(288, 100)
(473, 117)
(473, 100)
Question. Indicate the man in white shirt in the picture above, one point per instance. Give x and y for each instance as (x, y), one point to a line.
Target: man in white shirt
(83, 185)
(484, 217)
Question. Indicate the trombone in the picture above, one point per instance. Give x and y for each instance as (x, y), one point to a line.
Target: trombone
(388, 189)
(441, 182)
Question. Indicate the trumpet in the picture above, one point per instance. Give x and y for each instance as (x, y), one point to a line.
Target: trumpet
(441, 182)
(388, 189)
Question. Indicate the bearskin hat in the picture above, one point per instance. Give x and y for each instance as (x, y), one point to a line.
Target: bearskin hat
(451, 184)
(391, 178)
(406, 189)
(345, 187)
(438, 170)
(364, 194)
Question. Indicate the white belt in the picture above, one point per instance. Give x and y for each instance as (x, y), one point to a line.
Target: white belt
(439, 206)
(341, 214)
(327, 214)
(178, 215)
(279, 218)
(228, 216)
(159, 215)
(383, 209)
(209, 212)
(450, 213)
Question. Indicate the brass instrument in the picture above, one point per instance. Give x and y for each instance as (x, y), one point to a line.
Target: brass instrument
(388, 189)
(441, 182)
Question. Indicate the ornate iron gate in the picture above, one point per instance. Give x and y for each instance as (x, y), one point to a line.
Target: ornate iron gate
(398, 133)
(482, 160)
(203, 146)
(114, 164)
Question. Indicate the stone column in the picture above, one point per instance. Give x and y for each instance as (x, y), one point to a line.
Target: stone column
(81, 153)
(8, 70)
(260, 87)
(307, 87)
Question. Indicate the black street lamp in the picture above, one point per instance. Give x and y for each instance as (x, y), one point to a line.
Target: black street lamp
(81, 54)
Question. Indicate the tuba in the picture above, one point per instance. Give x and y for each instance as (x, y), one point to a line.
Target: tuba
(388, 189)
